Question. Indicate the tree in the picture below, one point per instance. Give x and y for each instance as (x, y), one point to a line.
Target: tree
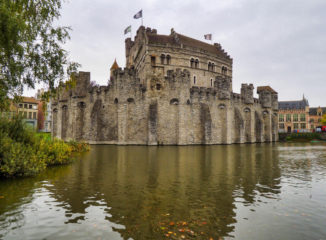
(323, 120)
(31, 47)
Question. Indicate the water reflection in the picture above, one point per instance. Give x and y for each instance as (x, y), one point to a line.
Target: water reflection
(135, 192)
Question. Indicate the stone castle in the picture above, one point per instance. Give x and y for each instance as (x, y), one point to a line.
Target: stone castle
(175, 90)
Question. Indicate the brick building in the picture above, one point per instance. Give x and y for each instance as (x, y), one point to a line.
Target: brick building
(294, 116)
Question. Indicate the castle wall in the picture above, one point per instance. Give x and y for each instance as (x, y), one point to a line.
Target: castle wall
(168, 111)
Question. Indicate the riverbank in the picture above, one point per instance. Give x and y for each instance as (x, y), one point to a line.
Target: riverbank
(302, 137)
(24, 152)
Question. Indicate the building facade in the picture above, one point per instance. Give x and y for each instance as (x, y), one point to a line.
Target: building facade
(175, 90)
(315, 116)
(28, 109)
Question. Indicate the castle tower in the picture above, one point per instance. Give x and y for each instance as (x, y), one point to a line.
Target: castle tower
(113, 67)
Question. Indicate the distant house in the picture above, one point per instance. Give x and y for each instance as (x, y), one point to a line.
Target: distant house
(28, 109)
(294, 116)
(315, 116)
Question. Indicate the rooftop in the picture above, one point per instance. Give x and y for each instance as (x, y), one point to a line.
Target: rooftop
(313, 111)
(265, 88)
(29, 100)
(178, 39)
(289, 105)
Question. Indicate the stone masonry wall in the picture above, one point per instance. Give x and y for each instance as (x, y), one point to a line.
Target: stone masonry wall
(167, 110)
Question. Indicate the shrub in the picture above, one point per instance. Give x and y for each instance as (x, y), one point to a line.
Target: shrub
(26, 153)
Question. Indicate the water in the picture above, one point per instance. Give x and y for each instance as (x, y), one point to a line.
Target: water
(257, 191)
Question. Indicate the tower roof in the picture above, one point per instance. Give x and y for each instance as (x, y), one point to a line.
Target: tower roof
(114, 65)
(265, 88)
(178, 39)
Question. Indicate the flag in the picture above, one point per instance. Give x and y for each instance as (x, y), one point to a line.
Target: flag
(128, 29)
(139, 14)
(208, 36)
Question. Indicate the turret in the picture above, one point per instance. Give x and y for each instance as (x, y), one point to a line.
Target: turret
(128, 45)
(113, 67)
(267, 97)
(223, 87)
(247, 93)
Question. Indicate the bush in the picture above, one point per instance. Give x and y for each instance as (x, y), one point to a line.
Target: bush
(25, 153)
(303, 136)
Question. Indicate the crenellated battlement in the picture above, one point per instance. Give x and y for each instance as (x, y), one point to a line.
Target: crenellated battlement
(174, 90)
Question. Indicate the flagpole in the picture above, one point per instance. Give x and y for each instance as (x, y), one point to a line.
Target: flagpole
(142, 17)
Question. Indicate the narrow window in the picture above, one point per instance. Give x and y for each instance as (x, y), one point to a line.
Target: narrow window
(209, 66)
(153, 60)
(213, 67)
(158, 86)
(224, 70)
(25, 105)
(196, 63)
(281, 118)
(168, 59)
(194, 79)
(30, 106)
(302, 117)
(211, 82)
(288, 117)
(192, 63)
(34, 115)
(162, 59)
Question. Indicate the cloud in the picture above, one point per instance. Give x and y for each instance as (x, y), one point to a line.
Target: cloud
(272, 42)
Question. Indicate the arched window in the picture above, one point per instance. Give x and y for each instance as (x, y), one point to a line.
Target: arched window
(211, 82)
(197, 63)
(209, 66)
(162, 59)
(213, 67)
(246, 110)
(168, 59)
(174, 101)
(192, 63)
(116, 101)
(194, 79)
(130, 100)
(81, 105)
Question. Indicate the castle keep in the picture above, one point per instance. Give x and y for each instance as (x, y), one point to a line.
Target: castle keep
(175, 90)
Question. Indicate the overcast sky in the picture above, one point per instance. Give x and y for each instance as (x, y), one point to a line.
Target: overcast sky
(281, 43)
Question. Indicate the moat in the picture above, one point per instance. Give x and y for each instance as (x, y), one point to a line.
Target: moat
(248, 191)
